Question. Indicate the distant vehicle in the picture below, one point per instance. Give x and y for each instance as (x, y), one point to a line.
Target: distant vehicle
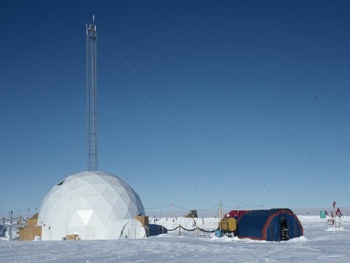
(192, 214)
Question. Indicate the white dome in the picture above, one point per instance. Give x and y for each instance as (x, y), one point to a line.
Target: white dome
(90, 204)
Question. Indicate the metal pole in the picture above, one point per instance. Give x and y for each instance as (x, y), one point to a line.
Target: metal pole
(91, 95)
(88, 100)
(11, 225)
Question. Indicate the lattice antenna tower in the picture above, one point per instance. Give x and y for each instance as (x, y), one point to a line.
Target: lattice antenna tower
(91, 95)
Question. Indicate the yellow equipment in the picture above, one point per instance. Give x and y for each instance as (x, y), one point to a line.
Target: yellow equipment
(228, 224)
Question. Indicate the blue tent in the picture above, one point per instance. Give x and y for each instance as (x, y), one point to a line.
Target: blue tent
(155, 230)
(269, 225)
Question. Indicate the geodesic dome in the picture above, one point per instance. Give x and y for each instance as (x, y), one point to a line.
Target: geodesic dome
(92, 204)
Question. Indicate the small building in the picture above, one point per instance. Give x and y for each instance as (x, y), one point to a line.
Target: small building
(269, 225)
(31, 230)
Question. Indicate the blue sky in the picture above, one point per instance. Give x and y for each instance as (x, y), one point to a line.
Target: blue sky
(244, 102)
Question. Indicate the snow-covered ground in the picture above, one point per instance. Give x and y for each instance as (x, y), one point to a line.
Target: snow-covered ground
(320, 243)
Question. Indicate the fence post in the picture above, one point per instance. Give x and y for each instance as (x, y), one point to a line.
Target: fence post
(180, 230)
(11, 225)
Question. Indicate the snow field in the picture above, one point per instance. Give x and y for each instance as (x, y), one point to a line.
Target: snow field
(320, 243)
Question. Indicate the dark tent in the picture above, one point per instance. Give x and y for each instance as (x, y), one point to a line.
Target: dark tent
(269, 225)
(155, 230)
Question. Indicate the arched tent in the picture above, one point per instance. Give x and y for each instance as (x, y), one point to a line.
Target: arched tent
(130, 229)
(269, 225)
(92, 204)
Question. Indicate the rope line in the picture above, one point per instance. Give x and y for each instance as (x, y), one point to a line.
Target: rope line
(205, 209)
(186, 229)
(207, 231)
(171, 229)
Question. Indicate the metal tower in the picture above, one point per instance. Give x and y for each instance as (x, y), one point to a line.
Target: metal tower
(91, 95)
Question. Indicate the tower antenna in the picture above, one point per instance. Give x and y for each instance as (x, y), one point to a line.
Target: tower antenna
(91, 95)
